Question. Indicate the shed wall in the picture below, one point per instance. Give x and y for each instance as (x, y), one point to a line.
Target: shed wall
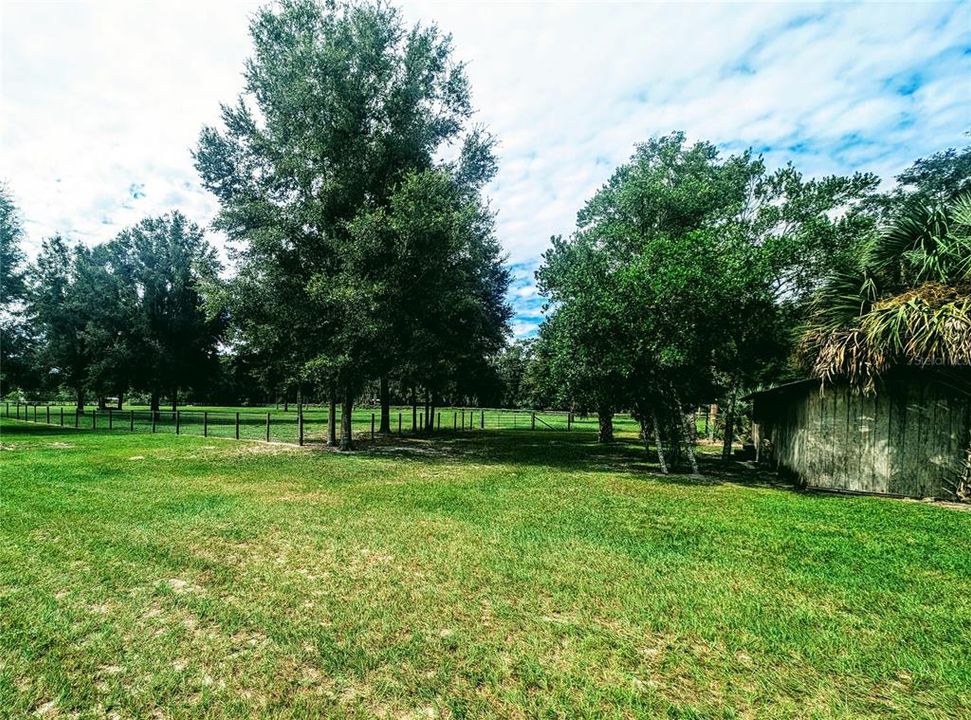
(909, 439)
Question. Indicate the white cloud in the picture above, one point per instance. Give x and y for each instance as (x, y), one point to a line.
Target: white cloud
(99, 96)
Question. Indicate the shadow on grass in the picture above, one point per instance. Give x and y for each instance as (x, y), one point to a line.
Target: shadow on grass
(24, 429)
(559, 450)
(569, 452)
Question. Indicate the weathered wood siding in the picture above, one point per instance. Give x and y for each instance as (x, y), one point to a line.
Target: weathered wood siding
(911, 438)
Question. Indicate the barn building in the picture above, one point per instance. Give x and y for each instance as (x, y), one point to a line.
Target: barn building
(911, 437)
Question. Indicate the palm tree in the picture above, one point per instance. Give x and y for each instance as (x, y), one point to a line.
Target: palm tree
(908, 304)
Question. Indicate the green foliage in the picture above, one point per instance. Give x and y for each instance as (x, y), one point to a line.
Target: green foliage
(12, 285)
(15, 365)
(908, 303)
(326, 170)
(444, 277)
(933, 180)
(60, 308)
(166, 278)
(129, 314)
(682, 273)
(520, 370)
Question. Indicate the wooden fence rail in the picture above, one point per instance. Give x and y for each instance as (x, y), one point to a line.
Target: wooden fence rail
(295, 427)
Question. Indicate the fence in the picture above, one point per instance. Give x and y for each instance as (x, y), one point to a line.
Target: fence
(295, 427)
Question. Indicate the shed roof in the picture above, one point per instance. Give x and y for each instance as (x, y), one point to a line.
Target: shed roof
(783, 388)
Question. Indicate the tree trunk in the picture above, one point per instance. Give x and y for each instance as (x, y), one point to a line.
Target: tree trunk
(730, 423)
(175, 399)
(332, 418)
(80, 399)
(605, 418)
(414, 410)
(347, 407)
(710, 421)
(657, 443)
(155, 402)
(286, 399)
(121, 400)
(645, 434)
(300, 433)
(963, 489)
(385, 428)
(686, 434)
(431, 414)
(102, 403)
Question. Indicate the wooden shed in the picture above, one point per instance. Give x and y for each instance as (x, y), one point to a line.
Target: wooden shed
(911, 437)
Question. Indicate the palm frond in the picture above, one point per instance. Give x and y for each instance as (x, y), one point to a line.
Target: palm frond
(910, 305)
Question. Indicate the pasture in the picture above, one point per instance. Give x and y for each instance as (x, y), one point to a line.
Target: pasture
(503, 574)
(279, 424)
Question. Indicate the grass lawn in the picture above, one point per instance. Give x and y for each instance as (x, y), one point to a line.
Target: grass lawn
(504, 574)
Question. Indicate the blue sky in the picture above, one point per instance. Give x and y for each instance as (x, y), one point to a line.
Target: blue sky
(100, 103)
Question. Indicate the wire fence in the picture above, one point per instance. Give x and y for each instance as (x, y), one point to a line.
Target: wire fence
(300, 427)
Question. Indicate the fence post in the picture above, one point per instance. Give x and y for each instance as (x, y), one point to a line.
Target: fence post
(178, 421)
(237, 425)
(111, 419)
(399, 423)
(268, 427)
(455, 421)
(482, 419)
(48, 409)
(131, 420)
(532, 421)
(205, 423)
(62, 416)
(94, 419)
(569, 421)
(154, 419)
(372, 426)
(300, 425)
(76, 412)
(439, 421)
(6, 411)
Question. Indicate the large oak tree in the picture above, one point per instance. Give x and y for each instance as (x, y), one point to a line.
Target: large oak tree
(344, 106)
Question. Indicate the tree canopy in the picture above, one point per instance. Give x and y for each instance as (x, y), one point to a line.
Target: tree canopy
(14, 331)
(327, 170)
(678, 276)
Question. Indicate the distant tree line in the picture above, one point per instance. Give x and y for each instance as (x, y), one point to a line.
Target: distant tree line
(350, 179)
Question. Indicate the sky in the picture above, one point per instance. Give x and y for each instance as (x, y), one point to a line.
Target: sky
(101, 103)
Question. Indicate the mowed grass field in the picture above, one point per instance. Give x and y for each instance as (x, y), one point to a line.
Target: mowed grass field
(496, 575)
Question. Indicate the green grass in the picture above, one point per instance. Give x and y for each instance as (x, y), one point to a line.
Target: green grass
(504, 574)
